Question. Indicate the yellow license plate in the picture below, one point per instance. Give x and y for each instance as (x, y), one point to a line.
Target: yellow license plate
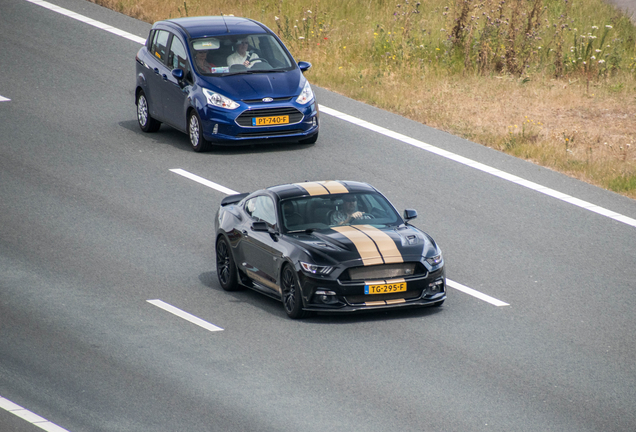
(266, 121)
(385, 288)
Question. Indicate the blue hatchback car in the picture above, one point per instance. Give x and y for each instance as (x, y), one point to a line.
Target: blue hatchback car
(223, 80)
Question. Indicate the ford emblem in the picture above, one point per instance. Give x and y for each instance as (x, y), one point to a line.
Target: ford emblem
(267, 99)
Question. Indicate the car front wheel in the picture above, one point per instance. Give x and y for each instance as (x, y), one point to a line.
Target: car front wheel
(291, 294)
(195, 132)
(146, 123)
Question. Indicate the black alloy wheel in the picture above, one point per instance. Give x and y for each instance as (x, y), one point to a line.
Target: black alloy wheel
(292, 298)
(146, 123)
(225, 267)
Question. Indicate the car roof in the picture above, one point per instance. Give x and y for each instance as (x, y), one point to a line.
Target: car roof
(319, 188)
(202, 26)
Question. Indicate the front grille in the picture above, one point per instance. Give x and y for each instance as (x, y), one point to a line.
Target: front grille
(278, 99)
(407, 295)
(384, 271)
(245, 119)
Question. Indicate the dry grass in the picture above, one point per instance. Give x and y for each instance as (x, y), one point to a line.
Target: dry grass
(497, 93)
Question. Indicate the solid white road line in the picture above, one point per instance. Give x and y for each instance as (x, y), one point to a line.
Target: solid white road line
(395, 135)
(89, 21)
(185, 315)
(4, 99)
(29, 416)
(479, 166)
(449, 282)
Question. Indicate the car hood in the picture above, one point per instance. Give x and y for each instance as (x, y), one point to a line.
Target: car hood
(371, 245)
(257, 85)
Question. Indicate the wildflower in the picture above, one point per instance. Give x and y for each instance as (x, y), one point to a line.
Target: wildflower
(601, 61)
(308, 11)
(594, 27)
(276, 18)
(301, 37)
(608, 26)
(592, 37)
(593, 58)
(597, 50)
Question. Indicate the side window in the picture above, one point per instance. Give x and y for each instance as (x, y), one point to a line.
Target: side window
(261, 208)
(177, 56)
(159, 45)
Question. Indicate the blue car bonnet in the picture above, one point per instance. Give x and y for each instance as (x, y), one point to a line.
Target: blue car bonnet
(257, 85)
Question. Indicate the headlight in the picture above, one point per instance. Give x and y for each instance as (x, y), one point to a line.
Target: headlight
(434, 260)
(218, 100)
(316, 269)
(306, 95)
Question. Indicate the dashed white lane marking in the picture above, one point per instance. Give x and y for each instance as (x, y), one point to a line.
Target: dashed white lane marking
(449, 282)
(204, 182)
(29, 416)
(89, 21)
(475, 293)
(185, 315)
(395, 135)
(479, 166)
(4, 99)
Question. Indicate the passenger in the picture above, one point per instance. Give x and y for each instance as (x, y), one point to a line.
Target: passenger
(291, 217)
(202, 62)
(242, 55)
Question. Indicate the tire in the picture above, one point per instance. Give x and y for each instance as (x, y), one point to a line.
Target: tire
(291, 294)
(146, 123)
(311, 140)
(225, 267)
(195, 132)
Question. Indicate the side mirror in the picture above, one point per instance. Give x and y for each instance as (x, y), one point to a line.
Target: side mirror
(410, 214)
(263, 227)
(178, 74)
(260, 226)
(304, 66)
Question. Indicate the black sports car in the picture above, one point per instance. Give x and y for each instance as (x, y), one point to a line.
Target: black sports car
(329, 246)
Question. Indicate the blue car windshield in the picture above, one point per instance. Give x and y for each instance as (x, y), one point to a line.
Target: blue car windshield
(325, 211)
(223, 55)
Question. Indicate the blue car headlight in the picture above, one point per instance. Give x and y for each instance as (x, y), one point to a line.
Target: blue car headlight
(218, 100)
(306, 95)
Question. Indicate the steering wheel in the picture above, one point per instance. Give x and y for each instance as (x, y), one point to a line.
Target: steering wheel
(261, 59)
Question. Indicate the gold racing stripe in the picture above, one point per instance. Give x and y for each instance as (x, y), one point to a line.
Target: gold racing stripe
(334, 187)
(385, 243)
(313, 188)
(363, 243)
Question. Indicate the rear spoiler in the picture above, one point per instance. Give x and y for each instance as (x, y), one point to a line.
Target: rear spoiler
(233, 199)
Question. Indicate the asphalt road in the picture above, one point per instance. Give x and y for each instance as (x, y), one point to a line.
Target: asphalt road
(93, 224)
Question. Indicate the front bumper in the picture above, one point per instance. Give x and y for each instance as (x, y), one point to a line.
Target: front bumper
(323, 295)
(229, 128)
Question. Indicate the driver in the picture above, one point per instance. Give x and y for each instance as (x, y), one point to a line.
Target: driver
(348, 213)
(241, 55)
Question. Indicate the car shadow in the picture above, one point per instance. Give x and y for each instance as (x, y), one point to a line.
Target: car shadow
(275, 307)
(167, 135)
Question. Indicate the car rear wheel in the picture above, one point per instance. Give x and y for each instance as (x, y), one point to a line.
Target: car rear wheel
(225, 267)
(292, 299)
(195, 132)
(146, 123)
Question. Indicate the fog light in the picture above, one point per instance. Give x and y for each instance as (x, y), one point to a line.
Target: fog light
(326, 297)
(216, 128)
(435, 287)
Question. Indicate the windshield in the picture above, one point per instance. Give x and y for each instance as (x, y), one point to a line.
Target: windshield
(222, 55)
(325, 211)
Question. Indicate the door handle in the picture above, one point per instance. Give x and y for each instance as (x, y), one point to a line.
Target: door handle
(245, 233)
(165, 77)
(157, 71)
